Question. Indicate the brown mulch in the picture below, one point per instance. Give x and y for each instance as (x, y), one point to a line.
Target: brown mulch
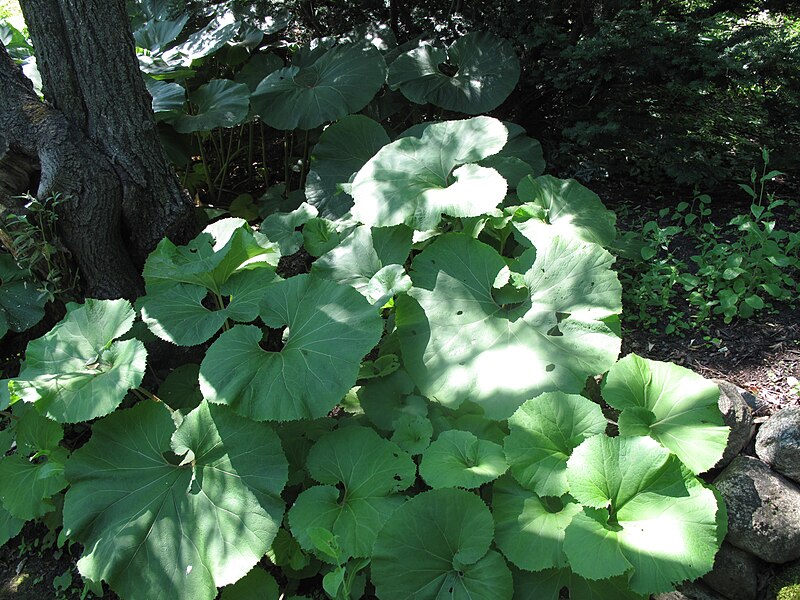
(759, 355)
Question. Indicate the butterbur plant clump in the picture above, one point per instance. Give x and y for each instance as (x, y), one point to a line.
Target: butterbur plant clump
(406, 419)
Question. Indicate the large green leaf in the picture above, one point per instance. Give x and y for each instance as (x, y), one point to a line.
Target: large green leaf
(166, 513)
(363, 255)
(259, 66)
(436, 546)
(463, 340)
(326, 87)
(35, 472)
(193, 290)
(330, 329)
(370, 469)
(544, 431)
(156, 33)
(10, 526)
(520, 154)
(168, 98)
(281, 227)
(218, 103)
(414, 180)
(460, 459)
(530, 529)
(21, 304)
(256, 585)
(27, 486)
(557, 206)
(644, 514)
(342, 149)
(221, 29)
(547, 584)
(674, 405)
(474, 75)
(386, 399)
(76, 371)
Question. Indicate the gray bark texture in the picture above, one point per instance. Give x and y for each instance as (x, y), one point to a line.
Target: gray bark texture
(95, 140)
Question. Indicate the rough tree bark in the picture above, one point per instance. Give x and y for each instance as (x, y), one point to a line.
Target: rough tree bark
(95, 140)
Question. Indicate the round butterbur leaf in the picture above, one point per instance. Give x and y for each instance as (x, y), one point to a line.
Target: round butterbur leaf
(644, 515)
(328, 85)
(201, 501)
(219, 103)
(10, 526)
(369, 260)
(256, 585)
(168, 98)
(259, 66)
(557, 206)
(415, 180)
(544, 431)
(412, 433)
(386, 399)
(181, 389)
(673, 405)
(529, 528)
(412, 558)
(465, 339)
(27, 486)
(459, 459)
(474, 75)
(547, 585)
(370, 470)
(193, 290)
(342, 149)
(76, 371)
(331, 327)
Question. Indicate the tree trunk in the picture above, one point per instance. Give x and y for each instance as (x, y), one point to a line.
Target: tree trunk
(96, 141)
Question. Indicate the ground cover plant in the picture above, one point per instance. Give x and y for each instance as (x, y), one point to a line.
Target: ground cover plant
(723, 270)
(403, 330)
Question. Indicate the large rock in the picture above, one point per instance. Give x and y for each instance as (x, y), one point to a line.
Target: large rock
(778, 442)
(737, 415)
(735, 574)
(763, 510)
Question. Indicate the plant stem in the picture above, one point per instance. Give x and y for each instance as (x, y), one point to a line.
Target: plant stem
(264, 155)
(205, 165)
